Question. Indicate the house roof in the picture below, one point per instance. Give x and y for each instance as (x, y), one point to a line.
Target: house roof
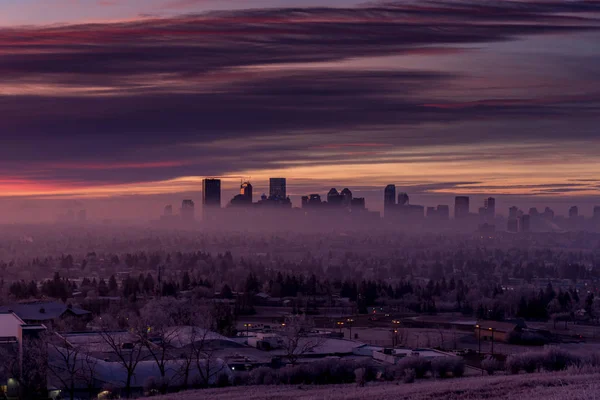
(42, 310)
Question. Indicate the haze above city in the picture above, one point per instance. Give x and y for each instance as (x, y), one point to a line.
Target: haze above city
(121, 107)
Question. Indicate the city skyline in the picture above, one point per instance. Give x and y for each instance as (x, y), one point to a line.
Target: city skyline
(436, 100)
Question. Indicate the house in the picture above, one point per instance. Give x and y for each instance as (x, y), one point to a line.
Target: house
(45, 312)
(495, 330)
(15, 335)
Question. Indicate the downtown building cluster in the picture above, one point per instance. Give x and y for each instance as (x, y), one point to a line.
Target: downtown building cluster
(341, 208)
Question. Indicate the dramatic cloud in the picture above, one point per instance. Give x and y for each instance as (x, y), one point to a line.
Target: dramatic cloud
(426, 93)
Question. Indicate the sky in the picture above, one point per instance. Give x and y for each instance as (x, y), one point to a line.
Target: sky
(127, 104)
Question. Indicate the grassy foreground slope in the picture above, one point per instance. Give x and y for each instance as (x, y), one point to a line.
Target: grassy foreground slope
(552, 386)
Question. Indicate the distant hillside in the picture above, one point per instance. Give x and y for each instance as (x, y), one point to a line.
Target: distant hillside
(551, 386)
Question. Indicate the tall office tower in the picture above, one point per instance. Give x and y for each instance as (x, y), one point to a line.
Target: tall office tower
(490, 206)
(358, 203)
(304, 201)
(346, 197)
(525, 223)
(549, 213)
(513, 225)
(246, 191)
(314, 200)
(597, 213)
(334, 198)
(277, 188)
(443, 212)
(211, 193)
(168, 211)
(389, 197)
(403, 199)
(574, 212)
(513, 212)
(187, 210)
(432, 212)
(461, 207)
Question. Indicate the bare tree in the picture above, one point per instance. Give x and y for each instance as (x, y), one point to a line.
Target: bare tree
(27, 365)
(198, 355)
(126, 347)
(65, 364)
(158, 327)
(296, 338)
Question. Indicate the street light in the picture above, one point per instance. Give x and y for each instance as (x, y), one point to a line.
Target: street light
(247, 326)
(492, 330)
(479, 337)
(350, 321)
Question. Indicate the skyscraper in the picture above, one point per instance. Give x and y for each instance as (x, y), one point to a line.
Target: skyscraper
(574, 212)
(246, 191)
(389, 199)
(187, 210)
(513, 212)
(461, 207)
(490, 206)
(346, 197)
(334, 198)
(443, 212)
(525, 223)
(403, 199)
(277, 188)
(597, 213)
(211, 193)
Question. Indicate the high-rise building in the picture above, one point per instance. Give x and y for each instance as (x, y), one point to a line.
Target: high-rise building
(389, 199)
(443, 212)
(597, 213)
(461, 207)
(513, 212)
(548, 214)
(277, 188)
(304, 201)
(346, 197)
(211, 193)
(525, 223)
(403, 199)
(246, 191)
(513, 225)
(334, 198)
(574, 212)
(358, 203)
(432, 212)
(490, 206)
(187, 210)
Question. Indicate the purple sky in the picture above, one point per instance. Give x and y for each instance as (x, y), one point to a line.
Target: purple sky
(138, 100)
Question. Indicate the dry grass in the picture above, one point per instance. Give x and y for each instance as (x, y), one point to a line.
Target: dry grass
(553, 386)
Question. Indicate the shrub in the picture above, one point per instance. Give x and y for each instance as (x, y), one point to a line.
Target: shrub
(359, 374)
(491, 365)
(416, 363)
(514, 364)
(558, 360)
(241, 378)
(442, 366)
(409, 376)
(458, 367)
(262, 376)
(223, 380)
